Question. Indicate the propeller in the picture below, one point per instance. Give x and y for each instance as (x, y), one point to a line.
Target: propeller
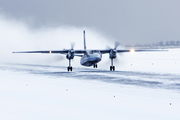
(70, 54)
(116, 44)
(112, 51)
(72, 45)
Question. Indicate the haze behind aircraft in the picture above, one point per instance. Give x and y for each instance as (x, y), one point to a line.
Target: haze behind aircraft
(89, 58)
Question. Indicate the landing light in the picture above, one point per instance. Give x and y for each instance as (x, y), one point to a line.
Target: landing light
(50, 52)
(132, 50)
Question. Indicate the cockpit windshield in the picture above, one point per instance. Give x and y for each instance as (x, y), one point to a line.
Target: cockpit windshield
(94, 51)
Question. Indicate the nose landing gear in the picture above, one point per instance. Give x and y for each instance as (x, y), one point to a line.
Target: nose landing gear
(95, 65)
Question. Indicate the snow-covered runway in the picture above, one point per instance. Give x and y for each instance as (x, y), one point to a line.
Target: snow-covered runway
(30, 91)
(142, 79)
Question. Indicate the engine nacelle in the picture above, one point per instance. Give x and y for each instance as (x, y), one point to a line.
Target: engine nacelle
(112, 54)
(70, 54)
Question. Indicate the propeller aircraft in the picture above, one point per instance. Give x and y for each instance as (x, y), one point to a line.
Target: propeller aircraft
(89, 58)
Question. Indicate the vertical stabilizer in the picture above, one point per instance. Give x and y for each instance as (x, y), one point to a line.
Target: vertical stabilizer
(84, 41)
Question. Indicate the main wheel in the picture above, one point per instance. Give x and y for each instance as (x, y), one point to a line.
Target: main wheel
(96, 65)
(113, 68)
(110, 68)
(67, 68)
(71, 68)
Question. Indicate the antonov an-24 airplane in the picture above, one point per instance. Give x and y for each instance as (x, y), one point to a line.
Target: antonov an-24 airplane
(89, 57)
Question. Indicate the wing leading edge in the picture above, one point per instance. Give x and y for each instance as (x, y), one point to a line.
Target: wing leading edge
(132, 50)
(84, 51)
(54, 51)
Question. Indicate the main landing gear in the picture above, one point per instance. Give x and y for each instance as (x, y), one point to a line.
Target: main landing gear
(112, 68)
(95, 65)
(69, 68)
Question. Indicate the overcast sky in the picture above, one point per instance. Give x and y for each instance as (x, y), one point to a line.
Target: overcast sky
(127, 21)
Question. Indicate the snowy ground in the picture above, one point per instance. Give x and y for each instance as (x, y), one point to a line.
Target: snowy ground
(46, 92)
(37, 86)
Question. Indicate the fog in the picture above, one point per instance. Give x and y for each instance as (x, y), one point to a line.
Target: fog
(19, 36)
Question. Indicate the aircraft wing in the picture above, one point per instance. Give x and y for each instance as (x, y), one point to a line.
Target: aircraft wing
(132, 50)
(84, 51)
(79, 51)
(105, 51)
(53, 51)
(49, 51)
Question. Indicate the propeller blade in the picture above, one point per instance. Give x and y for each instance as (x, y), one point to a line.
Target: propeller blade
(116, 45)
(72, 45)
(107, 47)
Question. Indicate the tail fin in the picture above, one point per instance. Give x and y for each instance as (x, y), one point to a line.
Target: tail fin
(84, 41)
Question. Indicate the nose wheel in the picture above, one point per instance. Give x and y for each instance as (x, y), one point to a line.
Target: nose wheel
(95, 65)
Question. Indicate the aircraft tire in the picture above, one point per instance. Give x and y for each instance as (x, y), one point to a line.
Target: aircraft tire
(67, 68)
(71, 68)
(110, 68)
(113, 68)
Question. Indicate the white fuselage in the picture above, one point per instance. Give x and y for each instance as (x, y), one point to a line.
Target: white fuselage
(91, 59)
